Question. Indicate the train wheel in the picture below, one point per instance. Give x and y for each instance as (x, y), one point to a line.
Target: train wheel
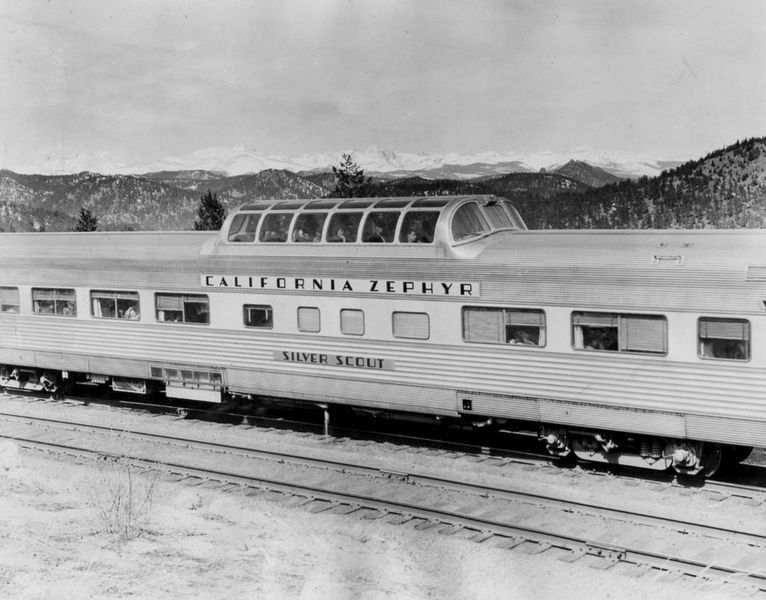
(711, 459)
(736, 454)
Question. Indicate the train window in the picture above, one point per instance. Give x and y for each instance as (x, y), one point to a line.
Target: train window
(516, 220)
(411, 325)
(468, 222)
(351, 321)
(275, 227)
(258, 315)
(495, 325)
(243, 227)
(344, 227)
(392, 203)
(380, 227)
(115, 305)
(9, 299)
(308, 227)
(317, 204)
(263, 205)
(418, 227)
(289, 205)
(431, 202)
(356, 203)
(497, 215)
(48, 301)
(182, 308)
(727, 339)
(308, 319)
(620, 332)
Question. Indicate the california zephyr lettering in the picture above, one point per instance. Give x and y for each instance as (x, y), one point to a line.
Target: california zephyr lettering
(458, 289)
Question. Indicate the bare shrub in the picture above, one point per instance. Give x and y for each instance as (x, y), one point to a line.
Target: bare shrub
(123, 497)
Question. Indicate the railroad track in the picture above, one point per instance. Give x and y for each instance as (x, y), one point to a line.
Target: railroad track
(724, 485)
(312, 426)
(510, 515)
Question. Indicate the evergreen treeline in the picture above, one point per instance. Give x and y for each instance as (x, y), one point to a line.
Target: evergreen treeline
(725, 189)
(516, 186)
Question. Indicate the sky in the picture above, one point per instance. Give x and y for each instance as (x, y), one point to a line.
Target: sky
(100, 83)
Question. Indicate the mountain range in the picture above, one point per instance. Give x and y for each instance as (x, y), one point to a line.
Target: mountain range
(390, 164)
(380, 163)
(726, 188)
(169, 199)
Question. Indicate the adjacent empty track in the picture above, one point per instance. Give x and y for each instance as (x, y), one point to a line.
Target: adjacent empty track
(509, 515)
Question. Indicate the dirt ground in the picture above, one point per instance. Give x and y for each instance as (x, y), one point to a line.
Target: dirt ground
(207, 543)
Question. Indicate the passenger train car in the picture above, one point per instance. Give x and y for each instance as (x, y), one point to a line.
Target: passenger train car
(645, 348)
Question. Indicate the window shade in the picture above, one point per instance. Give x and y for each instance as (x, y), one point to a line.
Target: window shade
(411, 325)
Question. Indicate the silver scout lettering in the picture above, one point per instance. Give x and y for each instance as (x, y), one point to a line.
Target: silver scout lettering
(366, 286)
(335, 360)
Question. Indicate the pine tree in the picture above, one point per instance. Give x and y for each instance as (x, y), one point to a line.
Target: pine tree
(210, 214)
(88, 221)
(350, 181)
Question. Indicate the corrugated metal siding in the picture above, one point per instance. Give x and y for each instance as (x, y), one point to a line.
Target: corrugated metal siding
(337, 388)
(756, 273)
(725, 390)
(726, 430)
(584, 415)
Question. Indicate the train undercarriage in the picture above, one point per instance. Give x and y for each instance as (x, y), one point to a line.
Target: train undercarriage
(687, 457)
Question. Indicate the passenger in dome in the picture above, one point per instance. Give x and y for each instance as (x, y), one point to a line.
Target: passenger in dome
(376, 237)
(340, 235)
(301, 236)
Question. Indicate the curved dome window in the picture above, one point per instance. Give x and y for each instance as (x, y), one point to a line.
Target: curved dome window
(380, 227)
(344, 227)
(468, 222)
(418, 227)
(308, 227)
(497, 215)
(275, 227)
(243, 227)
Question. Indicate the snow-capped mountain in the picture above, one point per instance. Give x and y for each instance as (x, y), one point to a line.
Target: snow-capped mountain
(375, 161)
(240, 160)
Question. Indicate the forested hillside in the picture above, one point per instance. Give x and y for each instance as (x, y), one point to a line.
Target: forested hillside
(585, 173)
(725, 189)
(513, 186)
(124, 202)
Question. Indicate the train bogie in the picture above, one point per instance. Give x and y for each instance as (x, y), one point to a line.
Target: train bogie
(685, 456)
(27, 379)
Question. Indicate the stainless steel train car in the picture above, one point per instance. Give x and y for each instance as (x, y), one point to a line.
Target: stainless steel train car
(645, 348)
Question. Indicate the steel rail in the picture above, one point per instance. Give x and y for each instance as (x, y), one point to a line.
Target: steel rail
(413, 477)
(483, 526)
(713, 485)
